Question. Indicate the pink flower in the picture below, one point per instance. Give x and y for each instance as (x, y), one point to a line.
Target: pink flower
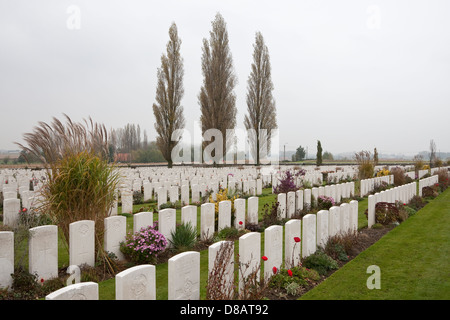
(24, 210)
(264, 258)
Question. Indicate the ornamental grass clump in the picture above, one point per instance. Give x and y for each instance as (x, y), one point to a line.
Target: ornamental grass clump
(79, 184)
(144, 245)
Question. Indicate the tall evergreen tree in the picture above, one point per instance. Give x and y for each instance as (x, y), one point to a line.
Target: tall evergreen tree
(319, 154)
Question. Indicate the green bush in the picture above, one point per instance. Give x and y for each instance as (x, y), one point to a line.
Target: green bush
(184, 237)
(320, 262)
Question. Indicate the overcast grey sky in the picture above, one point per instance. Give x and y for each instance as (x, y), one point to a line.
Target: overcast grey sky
(353, 74)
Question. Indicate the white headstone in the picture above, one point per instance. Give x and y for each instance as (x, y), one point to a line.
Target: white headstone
(258, 186)
(173, 194)
(162, 196)
(136, 283)
(148, 190)
(115, 233)
(252, 210)
(371, 210)
(127, 201)
(11, 208)
(207, 223)
(322, 228)
(273, 249)
(314, 195)
(167, 219)
(353, 215)
(185, 195)
(142, 220)
(309, 235)
(290, 204)
(6, 258)
(189, 215)
(281, 199)
(292, 230)
(333, 221)
(195, 190)
(82, 243)
(77, 291)
(184, 276)
(307, 197)
(249, 256)
(43, 252)
(239, 212)
(226, 266)
(299, 199)
(345, 218)
(224, 214)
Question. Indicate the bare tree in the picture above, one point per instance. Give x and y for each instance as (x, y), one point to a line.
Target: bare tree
(260, 102)
(167, 109)
(216, 98)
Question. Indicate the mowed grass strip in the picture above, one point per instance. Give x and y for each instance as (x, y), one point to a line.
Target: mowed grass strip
(413, 259)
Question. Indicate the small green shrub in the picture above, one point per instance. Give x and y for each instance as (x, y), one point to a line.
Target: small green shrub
(320, 262)
(229, 233)
(184, 237)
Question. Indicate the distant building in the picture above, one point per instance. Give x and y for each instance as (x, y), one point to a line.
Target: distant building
(122, 157)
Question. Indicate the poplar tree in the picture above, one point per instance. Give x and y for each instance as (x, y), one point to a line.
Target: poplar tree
(169, 92)
(216, 98)
(261, 110)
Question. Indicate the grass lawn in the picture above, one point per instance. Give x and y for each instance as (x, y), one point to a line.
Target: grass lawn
(413, 259)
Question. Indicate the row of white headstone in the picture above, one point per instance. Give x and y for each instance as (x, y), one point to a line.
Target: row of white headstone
(368, 185)
(427, 182)
(138, 283)
(43, 245)
(402, 194)
(185, 193)
(293, 201)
